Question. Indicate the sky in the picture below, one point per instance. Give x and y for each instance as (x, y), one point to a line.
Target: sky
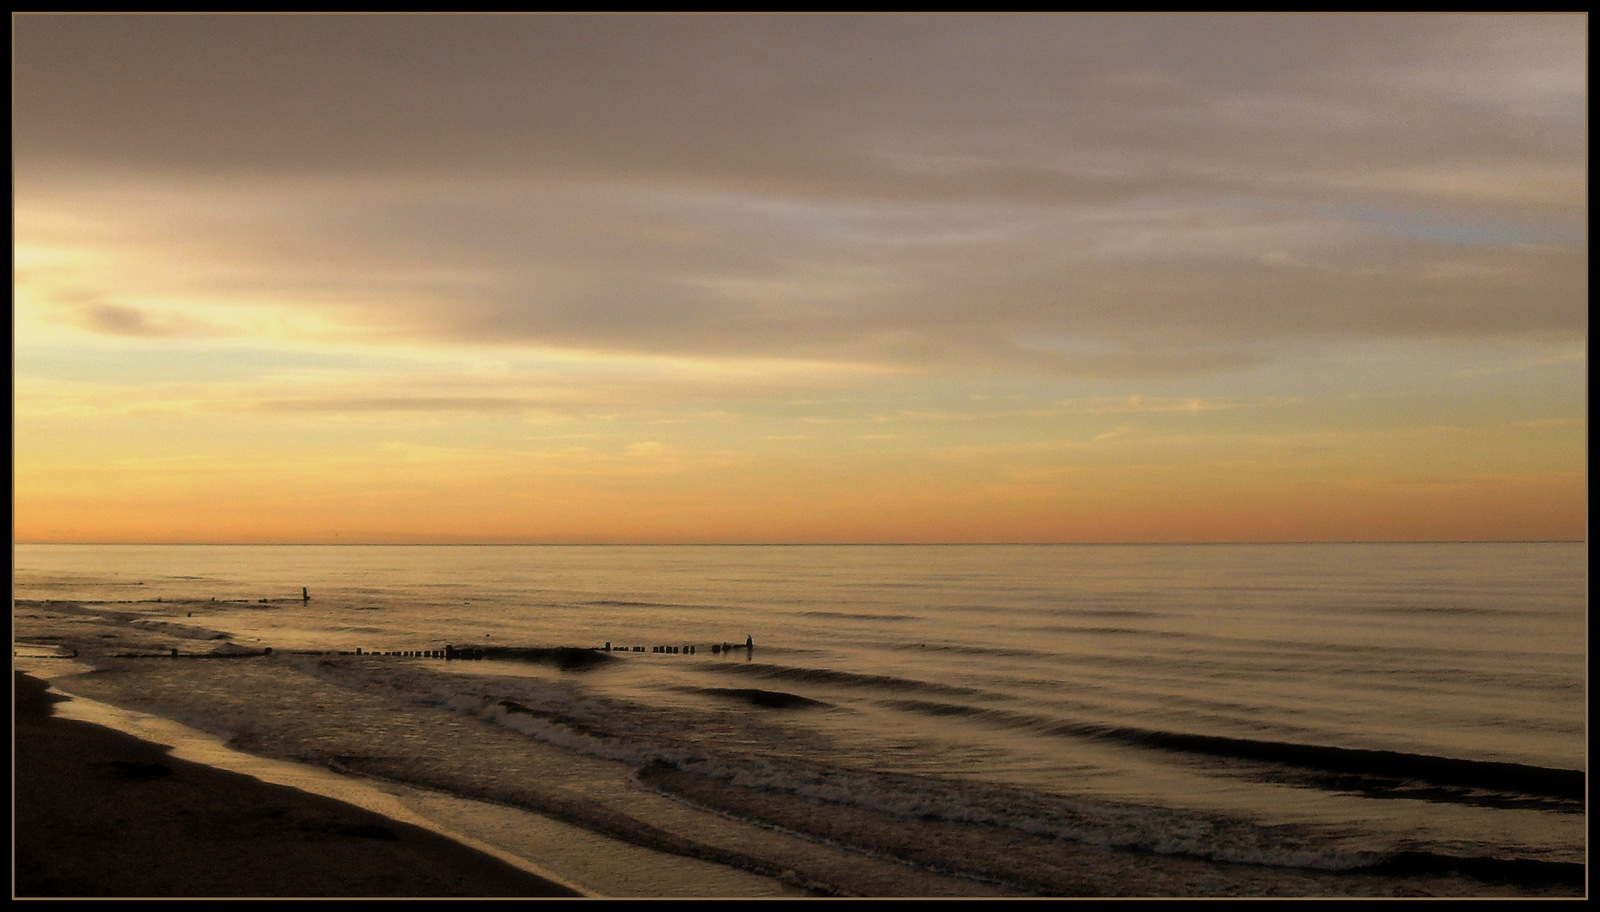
(771, 278)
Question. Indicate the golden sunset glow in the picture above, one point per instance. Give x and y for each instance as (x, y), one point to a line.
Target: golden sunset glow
(799, 278)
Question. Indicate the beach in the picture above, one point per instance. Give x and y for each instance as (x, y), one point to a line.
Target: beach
(102, 814)
(111, 818)
(696, 853)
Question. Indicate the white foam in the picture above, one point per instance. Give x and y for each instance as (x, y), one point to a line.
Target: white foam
(637, 735)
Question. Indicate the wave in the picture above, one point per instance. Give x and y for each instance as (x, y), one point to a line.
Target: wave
(638, 603)
(739, 753)
(769, 699)
(1008, 821)
(624, 603)
(857, 616)
(1023, 813)
(1003, 652)
(847, 679)
(558, 714)
(1064, 628)
(1387, 773)
(1527, 871)
(1376, 773)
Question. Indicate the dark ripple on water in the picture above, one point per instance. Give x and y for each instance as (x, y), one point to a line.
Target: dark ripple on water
(1379, 773)
(848, 679)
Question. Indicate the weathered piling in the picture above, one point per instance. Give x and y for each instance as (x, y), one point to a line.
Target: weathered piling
(566, 654)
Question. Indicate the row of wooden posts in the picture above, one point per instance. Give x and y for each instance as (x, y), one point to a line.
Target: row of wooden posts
(480, 652)
(473, 652)
(716, 648)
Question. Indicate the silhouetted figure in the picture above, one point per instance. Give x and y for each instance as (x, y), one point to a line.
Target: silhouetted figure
(749, 642)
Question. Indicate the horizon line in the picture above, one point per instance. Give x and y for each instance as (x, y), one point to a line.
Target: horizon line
(801, 544)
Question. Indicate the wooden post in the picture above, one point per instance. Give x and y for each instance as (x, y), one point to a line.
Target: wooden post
(305, 596)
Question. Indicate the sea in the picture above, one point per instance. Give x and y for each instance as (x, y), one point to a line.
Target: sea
(1319, 707)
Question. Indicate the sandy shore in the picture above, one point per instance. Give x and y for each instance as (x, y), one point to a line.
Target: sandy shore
(632, 841)
(100, 813)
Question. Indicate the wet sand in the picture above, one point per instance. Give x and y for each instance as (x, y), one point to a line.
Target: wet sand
(295, 715)
(102, 814)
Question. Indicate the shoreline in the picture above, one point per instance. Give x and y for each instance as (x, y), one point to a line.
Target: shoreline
(101, 813)
(347, 714)
(642, 843)
(567, 855)
(686, 852)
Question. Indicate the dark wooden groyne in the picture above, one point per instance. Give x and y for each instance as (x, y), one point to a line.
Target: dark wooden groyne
(565, 656)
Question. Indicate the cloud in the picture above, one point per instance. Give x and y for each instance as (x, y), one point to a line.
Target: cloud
(426, 404)
(1155, 195)
(118, 320)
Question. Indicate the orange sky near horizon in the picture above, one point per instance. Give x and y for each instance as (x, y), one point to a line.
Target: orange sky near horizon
(799, 278)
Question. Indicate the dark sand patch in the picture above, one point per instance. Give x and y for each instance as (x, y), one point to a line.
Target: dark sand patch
(100, 813)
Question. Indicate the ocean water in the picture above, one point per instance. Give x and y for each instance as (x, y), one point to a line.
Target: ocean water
(1317, 707)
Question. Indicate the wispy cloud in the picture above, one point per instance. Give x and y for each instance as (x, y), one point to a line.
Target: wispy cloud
(746, 228)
